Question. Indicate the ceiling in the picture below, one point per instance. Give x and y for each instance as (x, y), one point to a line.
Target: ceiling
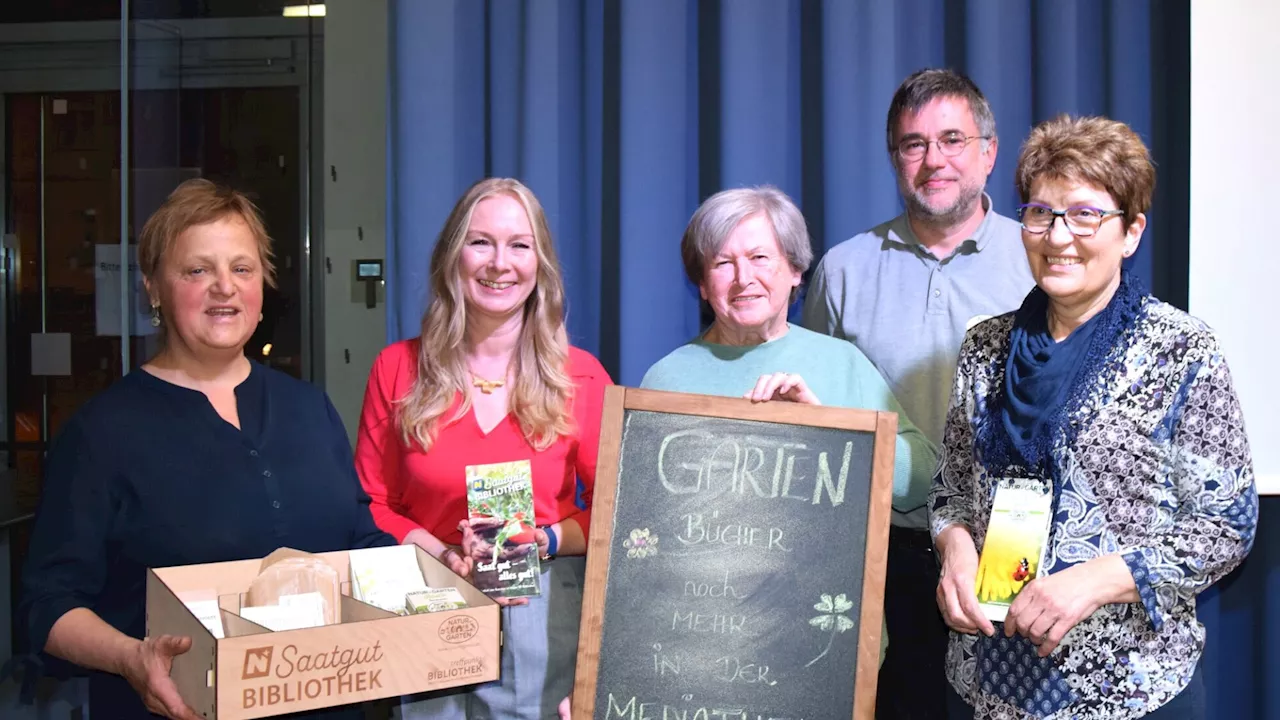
(12, 11)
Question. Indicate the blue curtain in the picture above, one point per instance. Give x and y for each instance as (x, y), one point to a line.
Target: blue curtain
(623, 116)
(1241, 616)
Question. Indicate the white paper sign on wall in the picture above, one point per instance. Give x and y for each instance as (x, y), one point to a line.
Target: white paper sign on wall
(106, 274)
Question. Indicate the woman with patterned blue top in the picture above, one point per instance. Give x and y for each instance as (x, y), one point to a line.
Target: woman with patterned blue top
(746, 250)
(1120, 409)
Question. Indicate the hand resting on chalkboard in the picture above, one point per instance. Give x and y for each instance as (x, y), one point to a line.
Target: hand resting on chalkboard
(782, 386)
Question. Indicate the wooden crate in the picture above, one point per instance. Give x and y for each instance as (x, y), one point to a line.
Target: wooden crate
(370, 654)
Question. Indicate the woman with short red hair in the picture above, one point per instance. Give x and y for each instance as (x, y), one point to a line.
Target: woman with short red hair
(199, 456)
(1114, 411)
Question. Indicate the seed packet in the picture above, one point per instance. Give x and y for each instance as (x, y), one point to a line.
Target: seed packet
(500, 509)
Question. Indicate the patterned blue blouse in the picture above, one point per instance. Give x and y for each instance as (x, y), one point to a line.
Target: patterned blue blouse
(1159, 472)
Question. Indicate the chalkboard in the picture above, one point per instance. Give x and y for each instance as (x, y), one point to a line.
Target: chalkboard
(735, 569)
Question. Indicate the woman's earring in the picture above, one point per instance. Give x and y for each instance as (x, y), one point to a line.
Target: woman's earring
(260, 317)
(155, 316)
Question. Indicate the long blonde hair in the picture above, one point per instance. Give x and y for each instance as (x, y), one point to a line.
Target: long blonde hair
(543, 389)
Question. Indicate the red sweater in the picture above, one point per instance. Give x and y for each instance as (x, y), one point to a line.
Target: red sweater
(411, 489)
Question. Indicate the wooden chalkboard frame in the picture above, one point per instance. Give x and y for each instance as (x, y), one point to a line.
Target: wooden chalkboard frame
(617, 401)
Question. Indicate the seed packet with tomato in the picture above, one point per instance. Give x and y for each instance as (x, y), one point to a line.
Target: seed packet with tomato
(500, 510)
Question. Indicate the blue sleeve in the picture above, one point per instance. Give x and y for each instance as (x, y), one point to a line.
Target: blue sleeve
(915, 458)
(950, 496)
(1210, 474)
(66, 563)
(364, 532)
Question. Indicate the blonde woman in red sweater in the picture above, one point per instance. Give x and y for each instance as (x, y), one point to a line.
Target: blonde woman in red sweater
(492, 378)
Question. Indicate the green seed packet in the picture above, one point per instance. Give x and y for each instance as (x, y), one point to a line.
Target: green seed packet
(500, 509)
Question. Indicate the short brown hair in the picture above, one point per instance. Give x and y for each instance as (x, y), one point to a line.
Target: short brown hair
(1095, 151)
(924, 86)
(196, 202)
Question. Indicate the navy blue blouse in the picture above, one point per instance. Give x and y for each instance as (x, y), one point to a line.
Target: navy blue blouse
(147, 474)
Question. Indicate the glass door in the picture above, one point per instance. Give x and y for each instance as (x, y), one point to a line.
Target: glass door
(153, 102)
(79, 189)
(65, 335)
(62, 293)
(70, 320)
(117, 104)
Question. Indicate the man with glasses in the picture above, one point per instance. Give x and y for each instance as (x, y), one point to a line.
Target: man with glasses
(905, 292)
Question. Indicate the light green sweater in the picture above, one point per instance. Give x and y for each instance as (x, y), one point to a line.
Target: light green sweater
(835, 370)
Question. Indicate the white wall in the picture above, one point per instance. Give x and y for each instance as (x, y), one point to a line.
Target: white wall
(355, 141)
(1235, 154)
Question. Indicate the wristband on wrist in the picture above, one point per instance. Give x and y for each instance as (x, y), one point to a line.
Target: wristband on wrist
(553, 543)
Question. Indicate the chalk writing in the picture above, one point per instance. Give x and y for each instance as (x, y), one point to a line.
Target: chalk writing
(632, 708)
(691, 461)
(662, 664)
(713, 623)
(718, 589)
(757, 522)
(732, 669)
(698, 528)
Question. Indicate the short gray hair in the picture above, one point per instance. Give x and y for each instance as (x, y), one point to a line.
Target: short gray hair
(720, 214)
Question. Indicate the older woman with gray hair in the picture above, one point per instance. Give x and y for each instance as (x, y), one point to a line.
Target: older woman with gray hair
(746, 249)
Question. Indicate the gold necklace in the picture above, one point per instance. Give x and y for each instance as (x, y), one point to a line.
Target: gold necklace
(486, 386)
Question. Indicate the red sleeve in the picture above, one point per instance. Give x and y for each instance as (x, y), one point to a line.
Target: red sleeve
(379, 449)
(591, 379)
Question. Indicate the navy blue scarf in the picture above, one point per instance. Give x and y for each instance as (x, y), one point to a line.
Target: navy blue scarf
(1044, 384)
(1040, 372)
(1044, 380)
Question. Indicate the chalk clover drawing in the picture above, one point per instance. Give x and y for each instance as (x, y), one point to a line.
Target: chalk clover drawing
(641, 544)
(831, 620)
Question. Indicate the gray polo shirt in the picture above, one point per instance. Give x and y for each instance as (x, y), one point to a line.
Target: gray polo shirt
(908, 311)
